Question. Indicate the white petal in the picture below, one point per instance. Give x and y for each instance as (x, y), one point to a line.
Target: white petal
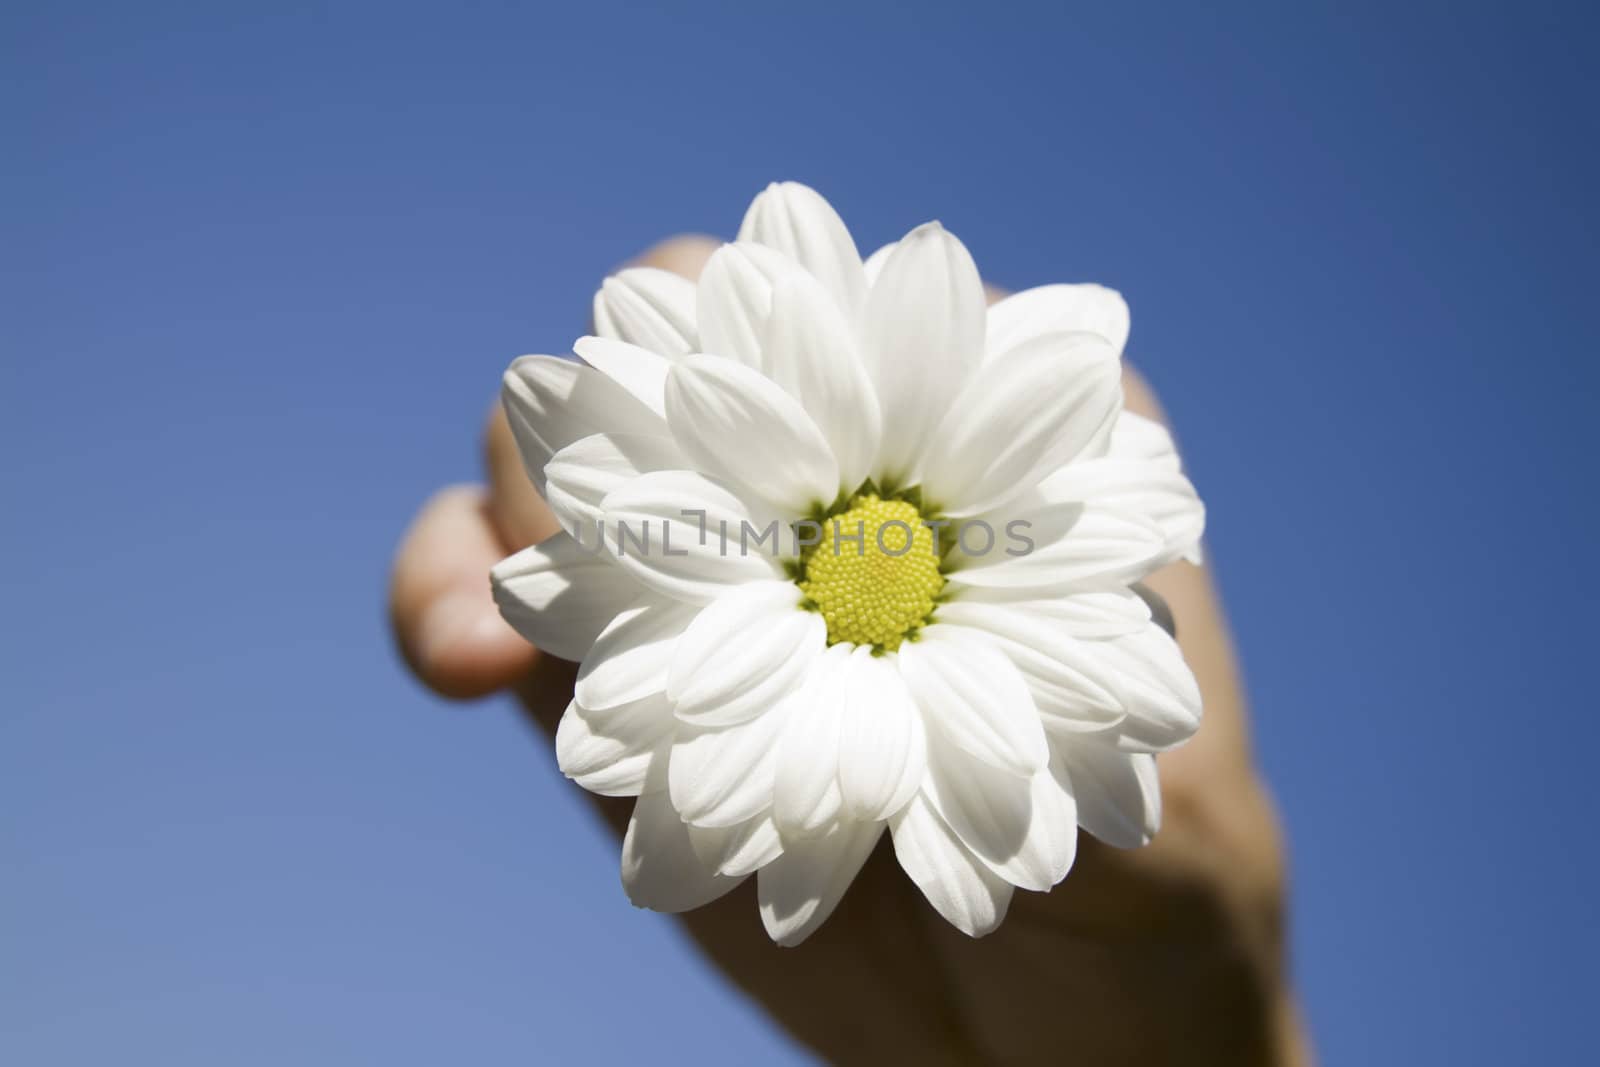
(882, 746)
(641, 372)
(651, 308)
(1137, 437)
(961, 888)
(1023, 829)
(922, 335)
(559, 597)
(580, 475)
(735, 423)
(1052, 842)
(1147, 490)
(800, 889)
(660, 870)
(737, 851)
(805, 796)
(764, 693)
(1073, 686)
(698, 539)
(735, 298)
(610, 751)
(630, 658)
(552, 402)
(1156, 686)
(1092, 614)
(797, 221)
(721, 776)
(1050, 629)
(809, 348)
(987, 808)
(1143, 490)
(874, 264)
(973, 695)
(1032, 409)
(1118, 793)
(1054, 309)
(743, 653)
(1074, 549)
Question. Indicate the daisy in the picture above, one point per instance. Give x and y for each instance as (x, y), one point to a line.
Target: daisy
(845, 551)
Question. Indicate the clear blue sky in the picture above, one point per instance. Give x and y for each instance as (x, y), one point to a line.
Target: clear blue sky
(261, 271)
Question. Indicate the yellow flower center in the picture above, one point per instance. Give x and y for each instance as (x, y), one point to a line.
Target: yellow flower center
(874, 574)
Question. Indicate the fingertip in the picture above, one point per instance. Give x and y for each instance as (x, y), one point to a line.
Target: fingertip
(465, 650)
(445, 621)
(685, 254)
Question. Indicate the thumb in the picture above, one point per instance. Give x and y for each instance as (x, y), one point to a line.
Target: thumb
(444, 618)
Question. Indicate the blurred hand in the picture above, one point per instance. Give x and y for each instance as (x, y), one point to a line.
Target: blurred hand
(1169, 954)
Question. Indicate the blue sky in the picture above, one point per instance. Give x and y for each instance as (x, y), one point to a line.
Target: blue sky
(262, 269)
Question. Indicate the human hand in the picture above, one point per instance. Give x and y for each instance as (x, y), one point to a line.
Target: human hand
(1167, 954)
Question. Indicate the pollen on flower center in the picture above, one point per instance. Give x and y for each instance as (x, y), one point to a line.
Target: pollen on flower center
(874, 573)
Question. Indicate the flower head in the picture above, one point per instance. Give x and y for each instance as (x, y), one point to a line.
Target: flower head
(843, 551)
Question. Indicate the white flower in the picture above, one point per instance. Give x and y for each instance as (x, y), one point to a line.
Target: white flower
(775, 705)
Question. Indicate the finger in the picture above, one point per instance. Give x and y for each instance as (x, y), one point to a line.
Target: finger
(517, 513)
(685, 254)
(444, 618)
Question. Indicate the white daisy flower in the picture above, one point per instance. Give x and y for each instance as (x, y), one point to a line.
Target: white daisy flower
(845, 550)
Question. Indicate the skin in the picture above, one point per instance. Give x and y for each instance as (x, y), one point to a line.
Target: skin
(1169, 954)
